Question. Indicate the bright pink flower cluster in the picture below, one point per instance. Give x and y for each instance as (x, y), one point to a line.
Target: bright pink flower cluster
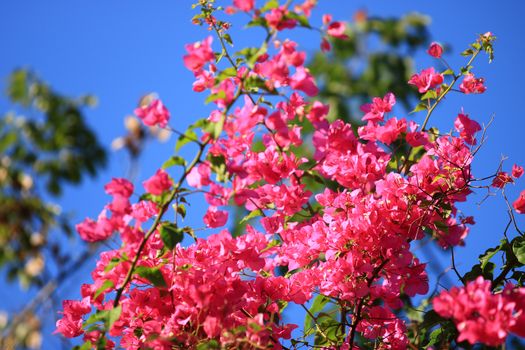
(480, 315)
(426, 80)
(472, 85)
(153, 114)
(435, 50)
(349, 242)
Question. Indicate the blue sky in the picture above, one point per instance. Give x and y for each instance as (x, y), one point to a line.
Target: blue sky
(119, 50)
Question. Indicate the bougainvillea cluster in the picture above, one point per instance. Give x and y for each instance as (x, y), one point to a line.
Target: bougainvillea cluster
(343, 246)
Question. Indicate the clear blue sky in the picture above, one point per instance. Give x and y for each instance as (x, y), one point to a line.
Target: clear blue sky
(119, 50)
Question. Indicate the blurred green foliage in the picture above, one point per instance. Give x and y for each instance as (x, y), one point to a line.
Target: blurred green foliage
(376, 58)
(45, 144)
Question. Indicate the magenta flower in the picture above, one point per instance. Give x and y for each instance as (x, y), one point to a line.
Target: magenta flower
(426, 80)
(435, 50)
(154, 114)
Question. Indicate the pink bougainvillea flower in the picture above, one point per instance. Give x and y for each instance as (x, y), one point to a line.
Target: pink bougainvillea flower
(327, 18)
(70, 325)
(302, 80)
(158, 183)
(517, 171)
(154, 114)
(519, 204)
(215, 218)
(143, 211)
(119, 186)
(244, 5)
(479, 315)
(435, 50)
(501, 179)
(472, 85)
(94, 231)
(376, 110)
(325, 45)
(426, 79)
(199, 54)
(467, 128)
(277, 19)
(199, 176)
(337, 30)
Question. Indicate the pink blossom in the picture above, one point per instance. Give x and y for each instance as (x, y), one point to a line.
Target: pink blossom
(502, 178)
(479, 315)
(467, 128)
(337, 30)
(426, 80)
(376, 110)
(519, 204)
(277, 19)
(291, 55)
(70, 325)
(158, 183)
(244, 5)
(215, 218)
(435, 50)
(120, 187)
(93, 231)
(325, 45)
(517, 171)
(205, 80)
(302, 80)
(472, 85)
(199, 54)
(154, 114)
(143, 211)
(199, 176)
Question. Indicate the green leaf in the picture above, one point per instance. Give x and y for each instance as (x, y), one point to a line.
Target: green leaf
(219, 56)
(228, 39)
(448, 72)
(257, 22)
(152, 274)
(467, 52)
(251, 215)
(420, 107)
(113, 315)
(331, 328)
(170, 234)
(214, 97)
(270, 4)
(217, 129)
(104, 287)
(211, 344)
(489, 253)
(229, 72)
(189, 136)
(303, 21)
(430, 94)
(518, 248)
(112, 263)
(108, 317)
(85, 346)
(435, 337)
(442, 226)
(172, 161)
(319, 303)
(180, 209)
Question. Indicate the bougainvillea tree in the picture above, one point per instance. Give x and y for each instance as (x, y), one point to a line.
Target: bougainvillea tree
(341, 249)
